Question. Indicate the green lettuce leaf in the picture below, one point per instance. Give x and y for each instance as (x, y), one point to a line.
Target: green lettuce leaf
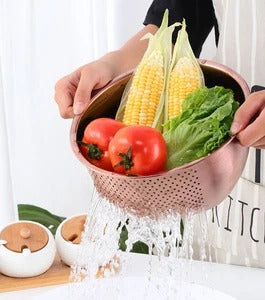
(203, 126)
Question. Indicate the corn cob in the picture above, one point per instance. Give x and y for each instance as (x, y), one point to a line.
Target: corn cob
(183, 80)
(145, 91)
(185, 75)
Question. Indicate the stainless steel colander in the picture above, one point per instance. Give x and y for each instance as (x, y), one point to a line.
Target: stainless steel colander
(196, 186)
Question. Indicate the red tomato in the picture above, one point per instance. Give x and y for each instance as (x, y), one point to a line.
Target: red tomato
(138, 150)
(94, 145)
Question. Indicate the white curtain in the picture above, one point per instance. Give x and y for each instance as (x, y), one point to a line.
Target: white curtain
(7, 206)
(40, 42)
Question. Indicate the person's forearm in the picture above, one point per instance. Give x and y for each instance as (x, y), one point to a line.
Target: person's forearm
(129, 55)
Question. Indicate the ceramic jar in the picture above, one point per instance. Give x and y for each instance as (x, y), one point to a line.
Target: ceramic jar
(27, 249)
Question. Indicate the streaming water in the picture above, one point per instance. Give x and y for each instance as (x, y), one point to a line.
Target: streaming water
(169, 246)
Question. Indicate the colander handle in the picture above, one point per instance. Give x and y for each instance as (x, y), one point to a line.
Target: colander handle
(256, 88)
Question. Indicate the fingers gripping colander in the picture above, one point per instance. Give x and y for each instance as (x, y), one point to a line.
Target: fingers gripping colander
(193, 187)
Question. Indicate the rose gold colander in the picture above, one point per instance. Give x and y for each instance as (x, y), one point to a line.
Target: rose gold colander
(199, 185)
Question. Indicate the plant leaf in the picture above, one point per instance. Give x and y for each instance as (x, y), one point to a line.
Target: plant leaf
(27, 212)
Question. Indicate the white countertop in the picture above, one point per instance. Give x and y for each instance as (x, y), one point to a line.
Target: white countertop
(243, 283)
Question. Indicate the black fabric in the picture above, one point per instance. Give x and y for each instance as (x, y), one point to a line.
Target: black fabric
(199, 16)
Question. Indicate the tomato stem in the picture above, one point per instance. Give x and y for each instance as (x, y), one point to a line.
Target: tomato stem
(126, 161)
(93, 150)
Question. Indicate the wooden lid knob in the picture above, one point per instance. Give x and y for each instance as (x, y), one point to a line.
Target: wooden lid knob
(24, 235)
(72, 229)
(25, 232)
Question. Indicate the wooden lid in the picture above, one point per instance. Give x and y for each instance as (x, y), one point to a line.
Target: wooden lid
(24, 235)
(72, 229)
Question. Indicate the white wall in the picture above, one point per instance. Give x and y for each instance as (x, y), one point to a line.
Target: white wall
(7, 207)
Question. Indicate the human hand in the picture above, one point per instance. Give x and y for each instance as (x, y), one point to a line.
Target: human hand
(73, 92)
(249, 121)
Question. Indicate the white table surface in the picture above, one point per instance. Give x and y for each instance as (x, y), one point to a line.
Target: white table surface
(243, 283)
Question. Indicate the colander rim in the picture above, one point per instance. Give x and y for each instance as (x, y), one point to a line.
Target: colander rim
(76, 120)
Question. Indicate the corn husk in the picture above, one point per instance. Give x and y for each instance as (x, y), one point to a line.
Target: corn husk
(162, 41)
(182, 49)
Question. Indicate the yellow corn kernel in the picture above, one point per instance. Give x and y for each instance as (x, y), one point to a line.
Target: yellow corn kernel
(183, 79)
(145, 91)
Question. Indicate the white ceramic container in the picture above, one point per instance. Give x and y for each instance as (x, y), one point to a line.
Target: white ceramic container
(67, 250)
(27, 263)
